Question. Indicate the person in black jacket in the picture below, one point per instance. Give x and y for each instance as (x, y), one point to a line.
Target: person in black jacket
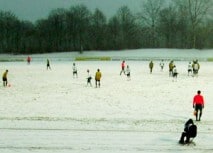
(48, 64)
(190, 131)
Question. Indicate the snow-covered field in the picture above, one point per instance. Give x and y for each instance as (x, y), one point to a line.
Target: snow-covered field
(49, 111)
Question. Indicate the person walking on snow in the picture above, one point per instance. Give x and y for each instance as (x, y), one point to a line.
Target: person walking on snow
(198, 105)
(151, 65)
(98, 78)
(28, 59)
(74, 70)
(4, 78)
(161, 65)
(89, 78)
(171, 66)
(189, 68)
(48, 64)
(122, 67)
(196, 67)
(174, 73)
(128, 72)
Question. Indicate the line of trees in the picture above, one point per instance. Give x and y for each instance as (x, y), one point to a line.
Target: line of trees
(179, 24)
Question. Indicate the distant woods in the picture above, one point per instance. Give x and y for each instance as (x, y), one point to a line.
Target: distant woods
(180, 24)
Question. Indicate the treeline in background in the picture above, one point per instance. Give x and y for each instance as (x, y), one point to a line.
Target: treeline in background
(178, 24)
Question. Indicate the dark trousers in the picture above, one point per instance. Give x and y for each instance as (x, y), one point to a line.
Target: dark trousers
(198, 109)
(97, 83)
(122, 71)
(4, 82)
(182, 139)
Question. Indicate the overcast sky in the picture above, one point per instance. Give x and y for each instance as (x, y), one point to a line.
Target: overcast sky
(33, 10)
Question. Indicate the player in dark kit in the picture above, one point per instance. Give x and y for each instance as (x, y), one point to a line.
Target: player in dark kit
(48, 64)
(190, 131)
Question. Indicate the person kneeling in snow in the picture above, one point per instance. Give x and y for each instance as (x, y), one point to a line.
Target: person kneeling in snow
(190, 131)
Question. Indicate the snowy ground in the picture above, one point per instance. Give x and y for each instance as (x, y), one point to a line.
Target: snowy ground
(52, 112)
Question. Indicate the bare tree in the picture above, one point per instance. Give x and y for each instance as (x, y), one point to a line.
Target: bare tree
(168, 26)
(98, 30)
(9, 32)
(150, 14)
(113, 33)
(56, 21)
(128, 28)
(43, 36)
(26, 37)
(80, 27)
(197, 10)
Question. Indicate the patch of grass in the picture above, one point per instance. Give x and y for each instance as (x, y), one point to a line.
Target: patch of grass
(210, 59)
(103, 58)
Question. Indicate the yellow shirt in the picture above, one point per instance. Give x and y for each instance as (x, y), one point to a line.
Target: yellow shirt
(4, 75)
(98, 76)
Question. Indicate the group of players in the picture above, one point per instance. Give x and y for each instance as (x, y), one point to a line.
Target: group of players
(193, 68)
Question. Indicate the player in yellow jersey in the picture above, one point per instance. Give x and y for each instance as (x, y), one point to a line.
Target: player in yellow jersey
(4, 78)
(98, 78)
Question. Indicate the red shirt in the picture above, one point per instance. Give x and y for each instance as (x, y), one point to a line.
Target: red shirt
(198, 99)
(28, 59)
(123, 64)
